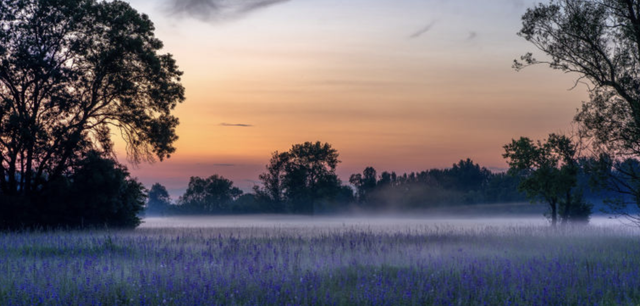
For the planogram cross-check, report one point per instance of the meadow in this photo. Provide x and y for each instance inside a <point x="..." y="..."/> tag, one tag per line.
<point x="411" y="261"/>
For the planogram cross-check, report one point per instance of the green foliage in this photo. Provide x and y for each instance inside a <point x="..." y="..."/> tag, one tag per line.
<point x="297" y="180"/>
<point x="365" y="184"/>
<point x="464" y="183"/>
<point x="211" y="195"/>
<point x="598" y="40"/>
<point x="246" y="203"/>
<point x="468" y="176"/>
<point x="502" y="188"/>
<point x="549" y="173"/>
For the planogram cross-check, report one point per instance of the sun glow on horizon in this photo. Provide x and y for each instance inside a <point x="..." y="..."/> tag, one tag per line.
<point x="356" y="76"/>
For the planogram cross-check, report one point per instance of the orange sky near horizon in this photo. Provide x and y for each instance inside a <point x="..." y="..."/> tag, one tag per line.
<point x="352" y="75"/>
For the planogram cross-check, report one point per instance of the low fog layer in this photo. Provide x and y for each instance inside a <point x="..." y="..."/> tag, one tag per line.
<point x="373" y="222"/>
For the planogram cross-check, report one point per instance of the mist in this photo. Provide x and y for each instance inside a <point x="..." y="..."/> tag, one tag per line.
<point x="381" y="223"/>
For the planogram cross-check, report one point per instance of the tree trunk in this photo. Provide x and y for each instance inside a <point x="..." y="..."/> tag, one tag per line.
<point x="13" y="183"/>
<point x="29" y="171"/>
<point x="567" y="209"/>
<point x="554" y="213"/>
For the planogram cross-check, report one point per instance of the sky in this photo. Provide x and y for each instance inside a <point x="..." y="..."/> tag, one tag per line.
<point x="397" y="85"/>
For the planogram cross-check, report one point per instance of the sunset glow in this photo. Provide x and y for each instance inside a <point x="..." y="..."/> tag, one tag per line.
<point x="398" y="86"/>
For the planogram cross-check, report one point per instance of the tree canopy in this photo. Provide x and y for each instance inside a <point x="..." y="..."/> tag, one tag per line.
<point x="301" y="178"/>
<point x="211" y="195"/>
<point x="71" y="73"/>
<point x="463" y="183"/>
<point x="99" y="193"/>
<point x="599" y="40"/>
<point x="158" y="200"/>
<point x="549" y="172"/>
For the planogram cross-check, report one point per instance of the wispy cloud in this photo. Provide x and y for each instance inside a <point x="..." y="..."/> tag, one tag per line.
<point x="216" y="10"/>
<point x="472" y="35"/>
<point x="423" y="30"/>
<point x="236" y="124"/>
<point x="224" y="165"/>
<point x="518" y="4"/>
<point x="215" y="165"/>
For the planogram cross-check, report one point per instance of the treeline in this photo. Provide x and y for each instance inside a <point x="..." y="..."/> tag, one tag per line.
<point x="463" y="183"/>
<point x="96" y="192"/>
<point x="303" y="180"/>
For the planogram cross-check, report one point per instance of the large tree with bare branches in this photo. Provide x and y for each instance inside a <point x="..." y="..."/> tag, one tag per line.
<point x="72" y="74"/>
<point x="599" y="40"/>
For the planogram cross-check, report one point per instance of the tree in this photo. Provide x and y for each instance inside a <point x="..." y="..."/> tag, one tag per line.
<point x="468" y="176"/>
<point x="159" y="200"/>
<point x="246" y="204"/>
<point x="297" y="180"/>
<point x="619" y="178"/>
<point x="271" y="193"/>
<point x="549" y="173"/>
<point x="599" y="40"/>
<point x="365" y="183"/>
<point x="71" y="71"/>
<point x="502" y="188"/>
<point x="103" y="194"/>
<point x="98" y="193"/>
<point x="211" y="195"/>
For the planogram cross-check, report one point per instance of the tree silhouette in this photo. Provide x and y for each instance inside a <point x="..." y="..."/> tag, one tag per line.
<point x="99" y="192"/>
<point x="365" y="183"/>
<point x="600" y="41"/>
<point x="468" y="176"/>
<point x="271" y="193"/>
<point x="71" y="71"/>
<point x="298" y="180"/>
<point x="549" y="173"/>
<point x="211" y="195"/>
<point x="158" y="200"/>
<point x="464" y="183"/>
<point x="247" y="203"/>
<point x="103" y="194"/>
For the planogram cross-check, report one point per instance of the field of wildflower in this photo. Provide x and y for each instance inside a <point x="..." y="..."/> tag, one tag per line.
<point x="356" y="264"/>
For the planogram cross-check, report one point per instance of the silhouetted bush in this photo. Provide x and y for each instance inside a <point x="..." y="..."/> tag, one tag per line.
<point x="98" y="193"/>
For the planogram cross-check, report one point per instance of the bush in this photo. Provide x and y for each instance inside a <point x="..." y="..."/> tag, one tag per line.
<point x="98" y="193"/>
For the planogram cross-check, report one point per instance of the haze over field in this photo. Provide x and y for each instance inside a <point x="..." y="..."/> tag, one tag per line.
<point x="376" y="223"/>
<point x="361" y="152"/>
<point x="400" y="86"/>
<point x="352" y="264"/>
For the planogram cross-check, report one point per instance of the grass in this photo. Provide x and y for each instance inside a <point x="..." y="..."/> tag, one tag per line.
<point x="306" y="265"/>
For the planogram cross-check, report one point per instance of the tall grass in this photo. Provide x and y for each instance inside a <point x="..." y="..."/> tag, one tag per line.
<point x="351" y="265"/>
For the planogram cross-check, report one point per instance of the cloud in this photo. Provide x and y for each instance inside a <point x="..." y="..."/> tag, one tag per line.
<point x="423" y="30"/>
<point x="236" y="124"/>
<point x="472" y="35"/>
<point x="216" y="10"/>
<point x="518" y="4"/>
<point x="216" y="165"/>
